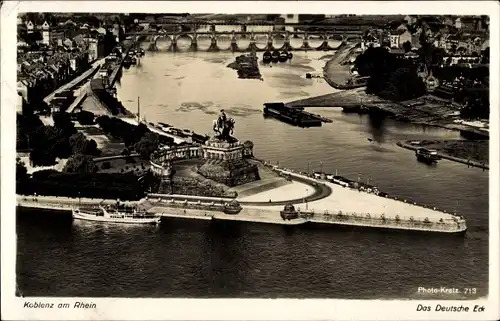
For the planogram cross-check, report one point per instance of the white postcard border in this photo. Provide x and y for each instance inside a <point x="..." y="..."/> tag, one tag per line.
<point x="232" y="309"/>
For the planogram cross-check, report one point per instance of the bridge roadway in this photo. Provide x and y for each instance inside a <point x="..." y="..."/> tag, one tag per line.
<point x="273" y="40"/>
<point x="244" y="33"/>
<point x="255" y="23"/>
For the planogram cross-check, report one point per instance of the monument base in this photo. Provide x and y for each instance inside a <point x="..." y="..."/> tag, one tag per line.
<point x="230" y="172"/>
<point x="225" y="163"/>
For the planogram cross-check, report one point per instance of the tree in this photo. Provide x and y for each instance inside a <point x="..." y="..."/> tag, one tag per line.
<point x="85" y="117"/>
<point x="21" y="176"/>
<point x="147" y="145"/>
<point x="41" y="157"/>
<point x="485" y="57"/>
<point x="63" y="121"/>
<point x="79" y="144"/>
<point x="80" y="163"/>
<point x="407" y="46"/>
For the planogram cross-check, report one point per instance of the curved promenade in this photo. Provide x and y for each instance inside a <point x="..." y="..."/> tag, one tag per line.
<point x="320" y="191"/>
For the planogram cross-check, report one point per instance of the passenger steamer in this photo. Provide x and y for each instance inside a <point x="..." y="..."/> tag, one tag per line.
<point x="122" y="215"/>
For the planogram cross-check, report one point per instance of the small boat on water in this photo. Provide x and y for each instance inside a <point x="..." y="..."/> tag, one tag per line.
<point x="283" y="56"/>
<point x="275" y="56"/>
<point x="117" y="214"/>
<point x="267" y="57"/>
<point x="429" y="156"/>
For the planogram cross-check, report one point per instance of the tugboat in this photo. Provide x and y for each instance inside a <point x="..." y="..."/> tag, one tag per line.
<point x="283" y="56"/>
<point x="117" y="214"/>
<point x="428" y="156"/>
<point x="266" y="58"/>
<point x="275" y="56"/>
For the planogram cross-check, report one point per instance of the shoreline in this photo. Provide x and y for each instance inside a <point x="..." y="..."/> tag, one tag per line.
<point x="472" y="163"/>
<point x="402" y="215"/>
<point x="354" y="97"/>
<point x="253" y="214"/>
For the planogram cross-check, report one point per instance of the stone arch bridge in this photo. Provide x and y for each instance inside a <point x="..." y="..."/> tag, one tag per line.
<point x="246" y="41"/>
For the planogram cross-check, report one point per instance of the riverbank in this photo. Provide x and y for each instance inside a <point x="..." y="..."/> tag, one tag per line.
<point x="471" y="153"/>
<point x="444" y="223"/>
<point x="427" y="110"/>
<point x="337" y="71"/>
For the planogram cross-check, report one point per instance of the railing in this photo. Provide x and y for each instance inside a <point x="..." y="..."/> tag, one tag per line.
<point x="366" y="219"/>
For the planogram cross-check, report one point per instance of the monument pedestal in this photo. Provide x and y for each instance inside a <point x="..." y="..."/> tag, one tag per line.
<point x="225" y="162"/>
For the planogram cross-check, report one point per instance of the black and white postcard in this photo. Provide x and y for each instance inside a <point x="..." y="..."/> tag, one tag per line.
<point x="182" y="160"/>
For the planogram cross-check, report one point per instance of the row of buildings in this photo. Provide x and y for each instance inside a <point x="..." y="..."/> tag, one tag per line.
<point x="51" y="54"/>
<point x="464" y="35"/>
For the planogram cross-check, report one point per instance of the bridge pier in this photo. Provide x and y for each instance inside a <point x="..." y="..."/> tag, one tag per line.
<point x="269" y="46"/>
<point x="252" y="46"/>
<point x="152" y="45"/>
<point x="173" y="46"/>
<point x="305" y="43"/>
<point x="234" y="43"/>
<point x="324" y="45"/>
<point x="213" y="44"/>
<point x="287" y="46"/>
<point x="194" y="43"/>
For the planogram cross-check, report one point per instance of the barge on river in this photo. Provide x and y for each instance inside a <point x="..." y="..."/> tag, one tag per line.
<point x="292" y="116"/>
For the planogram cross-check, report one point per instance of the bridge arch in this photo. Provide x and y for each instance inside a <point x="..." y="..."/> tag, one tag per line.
<point x="315" y="41"/>
<point x="279" y="40"/>
<point x="243" y="43"/>
<point x="163" y="42"/>
<point x="334" y="40"/>
<point x="296" y="40"/>
<point x="261" y="41"/>
<point x="224" y="41"/>
<point x="183" y="42"/>
<point x="203" y="42"/>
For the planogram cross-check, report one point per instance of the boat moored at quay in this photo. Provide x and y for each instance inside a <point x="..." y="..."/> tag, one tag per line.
<point x="403" y="216"/>
<point x="115" y="214"/>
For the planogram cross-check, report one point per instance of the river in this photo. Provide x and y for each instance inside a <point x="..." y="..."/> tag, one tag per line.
<point x="199" y="259"/>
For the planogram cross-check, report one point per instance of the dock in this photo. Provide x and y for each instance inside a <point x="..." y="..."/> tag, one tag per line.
<point x="382" y="217"/>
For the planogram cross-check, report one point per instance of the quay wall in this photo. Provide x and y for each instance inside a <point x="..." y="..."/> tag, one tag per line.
<point x="445" y="156"/>
<point x="258" y="215"/>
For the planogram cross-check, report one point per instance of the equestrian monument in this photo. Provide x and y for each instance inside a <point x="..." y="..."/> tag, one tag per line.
<point x="224" y="156"/>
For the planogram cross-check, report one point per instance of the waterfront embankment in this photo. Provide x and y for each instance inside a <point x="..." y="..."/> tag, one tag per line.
<point x="337" y="205"/>
<point x="337" y="71"/>
<point x="159" y="206"/>
<point x="459" y="151"/>
<point x="427" y="110"/>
